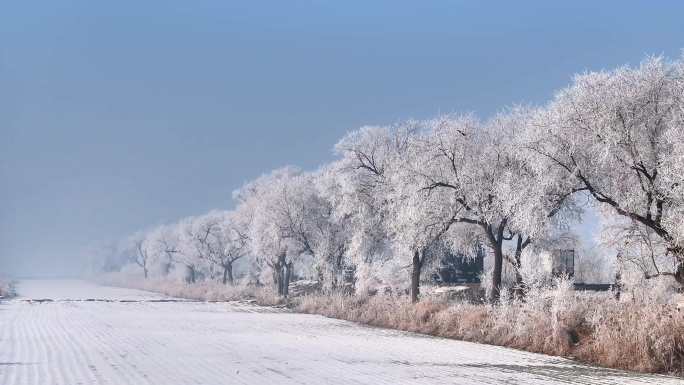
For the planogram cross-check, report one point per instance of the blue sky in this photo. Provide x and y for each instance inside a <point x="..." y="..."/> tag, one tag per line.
<point x="116" y="116"/>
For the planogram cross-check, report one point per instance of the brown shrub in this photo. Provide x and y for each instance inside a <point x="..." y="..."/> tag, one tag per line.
<point x="633" y="336"/>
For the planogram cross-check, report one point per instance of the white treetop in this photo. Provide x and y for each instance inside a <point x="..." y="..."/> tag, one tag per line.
<point x="617" y="135"/>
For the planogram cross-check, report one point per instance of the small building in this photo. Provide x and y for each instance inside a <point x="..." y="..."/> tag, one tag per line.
<point x="563" y="262"/>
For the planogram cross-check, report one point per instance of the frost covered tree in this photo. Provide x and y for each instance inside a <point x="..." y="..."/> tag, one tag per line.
<point x="328" y="232"/>
<point x="420" y="219"/>
<point x="415" y="219"/>
<point x="160" y="247"/>
<point x="491" y="193"/>
<point x="617" y="135"/>
<point x="637" y="246"/>
<point x="539" y="210"/>
<point x="220" y="241"/>
<point x="270" y="234"/>
<point x="453" y="158"/>
<point x="143" y="253"/>
<point x="231" y="244"/>
<point x="180" y="243"/>
<point x="357" y="193"/>
<point x="292" y="219"/>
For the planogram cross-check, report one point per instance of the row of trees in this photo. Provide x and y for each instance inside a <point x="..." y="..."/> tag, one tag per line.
<point x="405" y="194"/>
<point x="206" y="246"/>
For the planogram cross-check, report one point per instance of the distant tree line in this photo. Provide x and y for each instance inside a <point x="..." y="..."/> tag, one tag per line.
<point x="397" y="197"/>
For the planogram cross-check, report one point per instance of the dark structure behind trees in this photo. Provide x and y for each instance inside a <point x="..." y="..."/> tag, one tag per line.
<point x="563" y="262"/>
<point x="456" y="268"/>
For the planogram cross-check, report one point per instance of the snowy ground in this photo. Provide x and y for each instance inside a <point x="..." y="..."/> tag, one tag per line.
<point x="78" y="290"/>
<point x="74" y="340"/>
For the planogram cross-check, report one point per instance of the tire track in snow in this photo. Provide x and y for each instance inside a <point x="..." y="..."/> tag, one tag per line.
<point x="43" y="334"/>
<point x="80" y="363"/>
<point x="31" y="351"/>
<point x="98" y="336"/>
<point x="15" y="356"/>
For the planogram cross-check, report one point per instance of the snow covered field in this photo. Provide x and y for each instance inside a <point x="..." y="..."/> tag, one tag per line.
<point x="139" y="340"/>
<point x="78" y="290"/>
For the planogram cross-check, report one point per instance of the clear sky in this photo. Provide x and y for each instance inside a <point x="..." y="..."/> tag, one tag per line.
<point x="116" y="116"/>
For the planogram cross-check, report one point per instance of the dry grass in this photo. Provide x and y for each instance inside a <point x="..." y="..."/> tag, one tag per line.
<point x="594" y="329"/>
<point x="636" y="337"/>
<point x="201" y="291"/>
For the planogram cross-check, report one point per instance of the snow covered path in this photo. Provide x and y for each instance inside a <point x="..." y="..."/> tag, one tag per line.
<point x="167" y="343"/>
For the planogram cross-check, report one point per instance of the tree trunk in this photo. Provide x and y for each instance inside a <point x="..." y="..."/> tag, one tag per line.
<point x="415" y="277"/>
<point x="278" y="278"/>
<point x="167" y="265"/>
<point x="145" y="271"/>
<point x="519" y="290"/>
<point x="679" y="273"/>
<point x="191" y="274"/>
<point x="279" y="274"/>
<point x="617" y="287"/>
<point x="496" y="274"/>
<point x="332" y="279"/>
<point x="286" y="281"/>
<point x="337" y="274"/>
<point x="228" y="274"/>
<point x="496" y="243"/>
